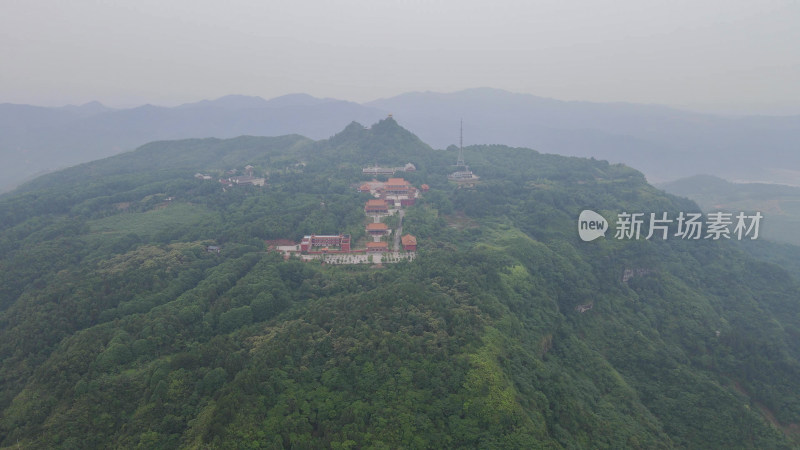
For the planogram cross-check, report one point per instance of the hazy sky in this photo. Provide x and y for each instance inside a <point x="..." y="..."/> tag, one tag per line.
<point x="729" y="55"/>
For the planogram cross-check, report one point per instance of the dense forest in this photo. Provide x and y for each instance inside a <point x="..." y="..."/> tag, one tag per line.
<point x="118" y="329"/>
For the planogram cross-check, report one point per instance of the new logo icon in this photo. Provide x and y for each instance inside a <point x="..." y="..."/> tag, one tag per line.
<point x="591" y="225"/>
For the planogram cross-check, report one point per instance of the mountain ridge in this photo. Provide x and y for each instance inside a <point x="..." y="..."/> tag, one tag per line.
<point x="658" y="140"/>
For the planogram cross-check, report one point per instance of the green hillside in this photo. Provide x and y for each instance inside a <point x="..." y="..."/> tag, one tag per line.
<point x="118" y="329"/>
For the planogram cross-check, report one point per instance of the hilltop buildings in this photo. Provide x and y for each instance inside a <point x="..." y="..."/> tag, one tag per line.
<point x="232" y="179"/>
<point x="377" y="229"/>
<point x="377" y="247"/>
<point x="376" y="206"/>
<point x="409" y="243"/>
<point x="376" y="170"/>
<point x="396" y="186"/>
<point x="323" y="243"/>
<point x="397" y="192"/>
<point x="246" y="179"/>
<point x="394" y="193"/>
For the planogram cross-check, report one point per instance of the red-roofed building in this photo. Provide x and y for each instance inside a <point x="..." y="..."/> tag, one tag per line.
<point x="376" y="206"/>
<point x="409" y="243"/>
<point x="364" y="188"/>
<point x="425" y="187"/>
<point x="397" y="186"/>
<point x="377" y="247"/>
<point x="377" y="228"/>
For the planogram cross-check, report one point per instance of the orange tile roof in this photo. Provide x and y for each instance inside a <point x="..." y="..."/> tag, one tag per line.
<point x="396" y="181"/>
<point x="376" y="202"/>
<point x="377" y="226"/>
<point x="377" y="245"/>
<point x="409" y="240"/>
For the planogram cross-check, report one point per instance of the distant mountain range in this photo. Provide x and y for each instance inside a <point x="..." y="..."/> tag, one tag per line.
<point x="662" y="142"/>
<point x="35" y="140"/>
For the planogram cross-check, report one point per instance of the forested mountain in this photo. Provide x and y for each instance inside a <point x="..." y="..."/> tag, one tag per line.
<point x="119" y="329"/>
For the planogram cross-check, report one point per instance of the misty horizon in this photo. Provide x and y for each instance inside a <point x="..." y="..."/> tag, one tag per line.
<point x="722" y="57"/>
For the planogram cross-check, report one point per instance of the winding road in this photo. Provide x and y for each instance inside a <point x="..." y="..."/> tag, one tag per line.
<point x="399" y="231"/>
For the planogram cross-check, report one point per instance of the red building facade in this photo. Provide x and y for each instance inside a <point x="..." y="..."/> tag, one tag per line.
<point x="377" y="247"/>
<point x="376" y="206"/>
<point x="409" y="243"/>
<point x="377" y="228"/>
<point x="397" y="186"/>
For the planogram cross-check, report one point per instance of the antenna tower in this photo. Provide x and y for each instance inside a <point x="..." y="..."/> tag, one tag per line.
<point x="460" y="161"/>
